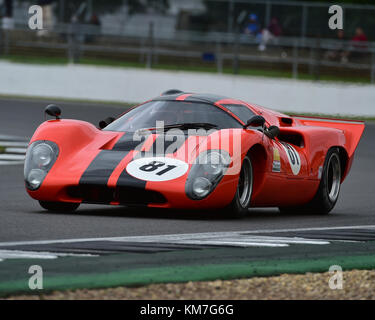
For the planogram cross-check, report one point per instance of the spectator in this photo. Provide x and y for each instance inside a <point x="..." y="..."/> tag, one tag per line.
<point x="358" y="45"/>
<point x="94" y="27"/>
<point x="270" y="33"/>
<point x="338" y="51"/>
<point x="275" y="28"/>
<point x="8" y="15"/>
<point x="48" y="18"/>
<point x="359" y="38"/>
<point x="94" y="20"/>
<point x="252" y="26"/>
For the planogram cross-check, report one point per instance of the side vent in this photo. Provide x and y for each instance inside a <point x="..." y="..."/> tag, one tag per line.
<point x="286" y="121"/>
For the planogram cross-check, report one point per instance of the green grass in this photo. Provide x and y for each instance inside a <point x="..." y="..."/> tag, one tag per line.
<point x="2" y="149"/>
<point x="35" y="60"/>
<point x="183" y="67"/>
<point x="47" y="100"/>
<point x="337" y="116"/>
<point x="184" y="273"/>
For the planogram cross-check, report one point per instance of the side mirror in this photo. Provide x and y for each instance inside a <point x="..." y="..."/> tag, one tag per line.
<point x="272" y="132"/>
<point x="255" y="121"/>
<point x="53" y="111"/>
<point x="106" y="122"/>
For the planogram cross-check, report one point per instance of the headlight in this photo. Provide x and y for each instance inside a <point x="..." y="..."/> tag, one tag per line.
<point x="206" y="172"/>
<point x="40" y="157"/>
<point x="42" y="154"/>
<point x="35" y="178"/>
<point x="201" y="187"/>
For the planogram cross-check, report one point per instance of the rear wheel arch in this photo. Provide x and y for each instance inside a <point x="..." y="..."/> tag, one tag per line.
<point x="258" y="156"/>
<point x="344" y="161"/>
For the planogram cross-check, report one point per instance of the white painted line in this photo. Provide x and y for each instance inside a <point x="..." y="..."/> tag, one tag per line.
<point x="310" y="229"/>
<point x="18" y="254"/>
<point x="5" y="156"/>
<point x="15" y="150"/>
<point x="8" y="254"/>
<point x="5" y="163"/>
<point x="241" y="238"/>
<point x="13" y="138"/>
<point x="232" y="243"/>
<point x="195" y="236"/>
<point x="13" y="144"/>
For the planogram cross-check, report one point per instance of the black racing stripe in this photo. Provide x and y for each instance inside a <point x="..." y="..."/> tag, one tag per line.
<point x="126" y="180"/>
<point x="101" y="168"/>
<point x="163" y="146"/>
<point x="127" y="142"/>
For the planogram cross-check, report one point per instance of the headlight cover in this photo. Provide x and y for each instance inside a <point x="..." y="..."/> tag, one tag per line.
<point x="207" y="171"/>
<point x="40" y="157"/>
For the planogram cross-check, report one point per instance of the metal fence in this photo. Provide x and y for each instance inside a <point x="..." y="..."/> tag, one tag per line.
<point x="223" y="48"/>
<point x="297" y="18"/>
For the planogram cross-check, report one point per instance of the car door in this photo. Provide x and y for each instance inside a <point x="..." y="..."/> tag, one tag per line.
<point x="293" y="162"/>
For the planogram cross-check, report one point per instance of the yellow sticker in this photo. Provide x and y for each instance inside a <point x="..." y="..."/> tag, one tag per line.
<point x="276" y="154"/>
<point x="276" y="164"/>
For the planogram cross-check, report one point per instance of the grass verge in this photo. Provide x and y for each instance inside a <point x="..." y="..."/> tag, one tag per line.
<point x="210" y="68"/>
<point x="185" y="273"/>
<point x="99" y="103"/>
<point x="357" y="284"/>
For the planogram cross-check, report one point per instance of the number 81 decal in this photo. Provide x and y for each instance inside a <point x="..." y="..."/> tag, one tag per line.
<point x="157" y="168"/>
<point x="293" y="157"/>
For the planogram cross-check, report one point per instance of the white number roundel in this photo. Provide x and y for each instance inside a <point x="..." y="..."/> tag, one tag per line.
<point x="293" y="157"/>
<point x="157" y="168"/>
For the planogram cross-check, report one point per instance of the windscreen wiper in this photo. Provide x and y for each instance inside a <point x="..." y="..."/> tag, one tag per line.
<point x="185" y="126"/>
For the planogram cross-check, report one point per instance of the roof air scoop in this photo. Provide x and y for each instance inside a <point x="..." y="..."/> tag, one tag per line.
<point x="171" y="91"/>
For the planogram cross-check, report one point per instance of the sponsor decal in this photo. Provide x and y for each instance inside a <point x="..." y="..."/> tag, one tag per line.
<point x="276" y="164"/>
<point x="293" y="158"/>
<point x="157" y="168"/>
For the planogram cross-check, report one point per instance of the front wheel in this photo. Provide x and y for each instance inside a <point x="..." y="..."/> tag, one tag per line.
<point x="239" y="206"/>
<point x="329" y="187"/>
<point x="59" y="206"/>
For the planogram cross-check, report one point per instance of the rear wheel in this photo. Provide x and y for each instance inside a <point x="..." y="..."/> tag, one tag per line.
<point x="239" y="206"/>
<point x="59" y="206"/>
<point x="329" y="187"/>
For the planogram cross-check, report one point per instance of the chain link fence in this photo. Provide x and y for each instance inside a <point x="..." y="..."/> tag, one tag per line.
<point x="198" y="35"/>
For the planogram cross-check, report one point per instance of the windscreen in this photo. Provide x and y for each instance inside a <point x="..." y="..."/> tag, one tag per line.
<point x="241" y="111"/>
<point x="172" y="112"/>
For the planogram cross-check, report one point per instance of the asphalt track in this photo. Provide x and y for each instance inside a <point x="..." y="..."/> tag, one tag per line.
<point x="21" y="218"/>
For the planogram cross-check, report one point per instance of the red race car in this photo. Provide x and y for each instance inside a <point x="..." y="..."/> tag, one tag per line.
<point x="192" y="151"/>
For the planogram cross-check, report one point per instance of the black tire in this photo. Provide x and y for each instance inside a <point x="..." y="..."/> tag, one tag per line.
<point x="239" y="206"/>
<point x="59" y="206"/>
<point x="329" y="187"/>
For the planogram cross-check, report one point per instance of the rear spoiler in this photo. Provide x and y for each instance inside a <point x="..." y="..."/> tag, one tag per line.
<point x="353" y="129"/>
